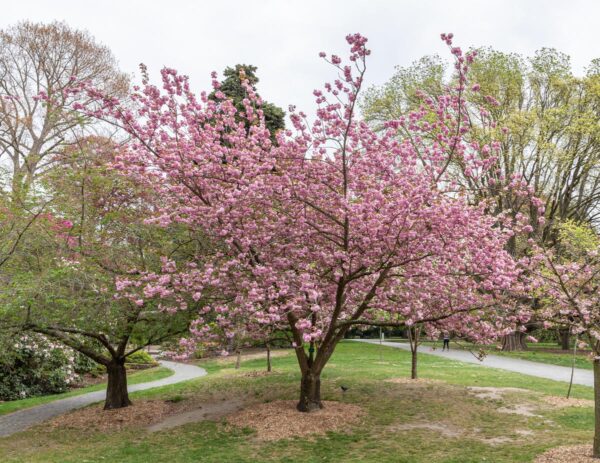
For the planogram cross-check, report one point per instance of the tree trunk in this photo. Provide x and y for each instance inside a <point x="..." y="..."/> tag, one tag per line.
<point x="116" y="391"/>
<point x="572" y="367"/>
<point x="596" y="408"/>
<point x="413" y="338"/>
<point x="268" y="358"/>
<point x="310" y="392"/>
<point x="238" y="359"/>
<point x="514" y="341"/>
<point x="565" y="338"/>
<point x="413" y="367"/>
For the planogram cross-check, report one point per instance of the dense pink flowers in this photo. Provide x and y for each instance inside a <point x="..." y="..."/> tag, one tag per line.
<point x="334" y="226"/>
<point x="564" y="288"/>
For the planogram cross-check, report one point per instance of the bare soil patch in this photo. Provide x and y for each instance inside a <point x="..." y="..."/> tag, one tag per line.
<point x="449" y="430"/>
<point x="492" y="393"/>
<point x="567" y="454"/>
<point x="496" y="440"/>
<point x="497" y="393"/>
<point x="561" y="402"/>
<point x="94" y="418"/>
<point x="519" y="409"/>
<point x="207" y="411"/>
<point x="280" y="419"/>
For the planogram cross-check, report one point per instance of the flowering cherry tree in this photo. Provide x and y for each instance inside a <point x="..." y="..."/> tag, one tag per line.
<point x="565" y="288"/>
<point x="331" y="227"/>
<point x="456" y="306"/>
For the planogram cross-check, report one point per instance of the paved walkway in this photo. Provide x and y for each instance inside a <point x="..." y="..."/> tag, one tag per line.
<point x="23" y="419"/>
<point x="541" y="370"/>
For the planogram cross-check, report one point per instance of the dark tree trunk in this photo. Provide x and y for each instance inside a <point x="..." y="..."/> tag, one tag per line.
<point x="310" y="392"/>
<point x="572" y="368"/>
<point x="268" y="358"/>
<point x="116" y="391"/>
<point x="514" y="341"/>
<point x="413" y="338"/>
<point x="565" y="338"/>
<point x="596" y="408"/>
<point x="413" y="367"/>
<point x="238" y="359"/>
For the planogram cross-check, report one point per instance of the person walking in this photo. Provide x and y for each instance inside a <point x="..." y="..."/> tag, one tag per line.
<point x="446" y="341"/>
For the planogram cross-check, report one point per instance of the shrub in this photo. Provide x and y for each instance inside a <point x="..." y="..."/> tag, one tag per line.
<point x="200" y="352"/>
<point x="34" y="365"/>
<point x="141" y="357"/>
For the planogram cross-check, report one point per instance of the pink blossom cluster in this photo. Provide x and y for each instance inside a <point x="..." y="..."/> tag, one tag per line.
<point x="564" y="289"/>
<point x="333" y="226"/>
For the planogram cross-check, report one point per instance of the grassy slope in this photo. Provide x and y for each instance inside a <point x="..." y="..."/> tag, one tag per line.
<point x="144" y="376"/>
<point x="363" y="368"/>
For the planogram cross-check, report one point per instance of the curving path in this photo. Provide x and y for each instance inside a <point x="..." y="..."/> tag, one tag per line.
<point x="525" y="367"/>
<point x="23" y="419"/>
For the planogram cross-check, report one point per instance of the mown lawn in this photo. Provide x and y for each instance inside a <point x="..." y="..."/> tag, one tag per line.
<point x="565" y="360"/>
<point x="480" y="432"/>
<point x="143" y="376"/>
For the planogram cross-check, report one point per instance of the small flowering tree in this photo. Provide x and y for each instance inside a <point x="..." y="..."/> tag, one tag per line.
<point x="320" y="231"/>
<point x="457" y="306"/>
<point x="565" y="286"/>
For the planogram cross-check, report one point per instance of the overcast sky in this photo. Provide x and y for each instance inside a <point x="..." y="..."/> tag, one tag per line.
<point x="283" y="38"/>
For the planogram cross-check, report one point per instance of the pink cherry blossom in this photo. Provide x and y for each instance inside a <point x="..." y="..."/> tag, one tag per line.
<point x="332" y="227"/>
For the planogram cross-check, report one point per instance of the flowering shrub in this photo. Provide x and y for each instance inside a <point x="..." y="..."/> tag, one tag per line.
<point x="34" y="365"/>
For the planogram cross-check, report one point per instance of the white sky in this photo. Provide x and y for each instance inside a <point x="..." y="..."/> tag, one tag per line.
<point x="283" y="37"/>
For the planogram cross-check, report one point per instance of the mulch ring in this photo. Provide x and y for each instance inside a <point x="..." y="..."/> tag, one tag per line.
<point x="94" y="418"/>
<point x="567" y="454"/>
<point x="280" y="419"/>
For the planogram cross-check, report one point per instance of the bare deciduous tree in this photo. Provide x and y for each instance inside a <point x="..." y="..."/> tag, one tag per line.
<point x="39" y="60"/>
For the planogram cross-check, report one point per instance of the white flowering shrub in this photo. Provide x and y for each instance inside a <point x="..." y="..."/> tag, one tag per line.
<point x="35" y="365"/>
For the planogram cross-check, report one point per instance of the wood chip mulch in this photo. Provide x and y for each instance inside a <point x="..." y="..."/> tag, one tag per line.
<point x="561" y="402"/>
<point x="567" y="454"/>
<point x="280" y="419"/>
<point x="94" y="418"/>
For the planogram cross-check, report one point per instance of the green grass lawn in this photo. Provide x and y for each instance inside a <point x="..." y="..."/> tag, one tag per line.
<point x="143" y="376"/>
<point x="565" y="360"/>
<point x="482" y="432"/>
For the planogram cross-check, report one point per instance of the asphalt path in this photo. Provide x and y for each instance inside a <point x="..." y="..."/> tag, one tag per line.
<point x="525" y="367"/>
